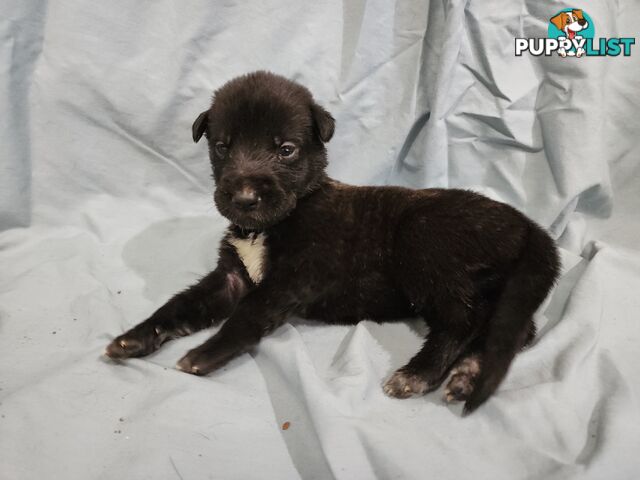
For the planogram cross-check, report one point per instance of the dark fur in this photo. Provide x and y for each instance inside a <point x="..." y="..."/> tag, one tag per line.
<point x="475" y="269"/>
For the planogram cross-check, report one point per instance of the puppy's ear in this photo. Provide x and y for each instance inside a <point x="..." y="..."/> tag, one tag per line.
<point x="323" y="122"/>
<point x="200" y="125"/>
<point x="558" y="20"/>
<point x="578" y="13"/>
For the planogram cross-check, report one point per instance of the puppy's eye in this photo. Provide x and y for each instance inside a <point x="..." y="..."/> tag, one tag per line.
<point x="287" y="149"/>
<point x="221" y="149"/>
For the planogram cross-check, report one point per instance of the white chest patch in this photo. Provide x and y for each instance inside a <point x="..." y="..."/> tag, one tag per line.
<point x="252" y="252"/>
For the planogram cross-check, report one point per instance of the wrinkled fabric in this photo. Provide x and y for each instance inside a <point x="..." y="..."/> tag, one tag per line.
<point x="106" y="211"/>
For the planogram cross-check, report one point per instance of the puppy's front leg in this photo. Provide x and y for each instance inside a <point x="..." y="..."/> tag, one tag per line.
<point x="258" y="314"/>
<point x="212" y="299"/>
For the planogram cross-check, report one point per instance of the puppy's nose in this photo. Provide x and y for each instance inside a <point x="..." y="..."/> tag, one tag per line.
<point x="246" y="199"/>
<point x="581" y="22"/>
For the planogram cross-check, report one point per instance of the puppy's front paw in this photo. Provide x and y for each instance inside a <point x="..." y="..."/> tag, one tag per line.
<point x="137" y="342"/>
<point x="403" y="384"/>
<point x="197" y="362"/>
<point x="188" y="364"/>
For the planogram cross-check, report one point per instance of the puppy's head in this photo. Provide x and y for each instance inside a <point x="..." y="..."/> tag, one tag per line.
<point x="266" y="144"/>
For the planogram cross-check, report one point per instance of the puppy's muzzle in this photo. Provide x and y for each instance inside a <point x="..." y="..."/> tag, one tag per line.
<point x="246" y="199"/>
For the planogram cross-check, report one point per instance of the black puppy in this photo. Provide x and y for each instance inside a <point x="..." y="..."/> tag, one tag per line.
<point x="303" y="244"/>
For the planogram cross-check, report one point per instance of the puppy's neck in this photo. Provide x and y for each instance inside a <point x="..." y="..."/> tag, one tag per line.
<point x="244" y="233"/>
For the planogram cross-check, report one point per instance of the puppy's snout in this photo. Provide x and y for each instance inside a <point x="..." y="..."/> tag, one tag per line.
<point x="246" y="199"/>
<point x="582" y="22"/>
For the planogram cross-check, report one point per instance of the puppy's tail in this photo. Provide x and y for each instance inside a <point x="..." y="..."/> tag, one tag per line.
<point x="511" y="326"/>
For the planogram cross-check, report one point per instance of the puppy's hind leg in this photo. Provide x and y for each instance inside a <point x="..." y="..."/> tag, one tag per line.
<point x="464" y="375"/>
<point x="426" y="371"/>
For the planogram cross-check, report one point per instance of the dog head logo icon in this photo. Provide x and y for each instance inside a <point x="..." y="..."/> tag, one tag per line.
<point x="571" y="27"/>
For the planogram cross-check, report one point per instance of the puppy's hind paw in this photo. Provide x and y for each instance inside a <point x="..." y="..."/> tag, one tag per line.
<point x="458" y="389"/>
<point x="462" y="381"/>
<point x="404" y="384"/>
